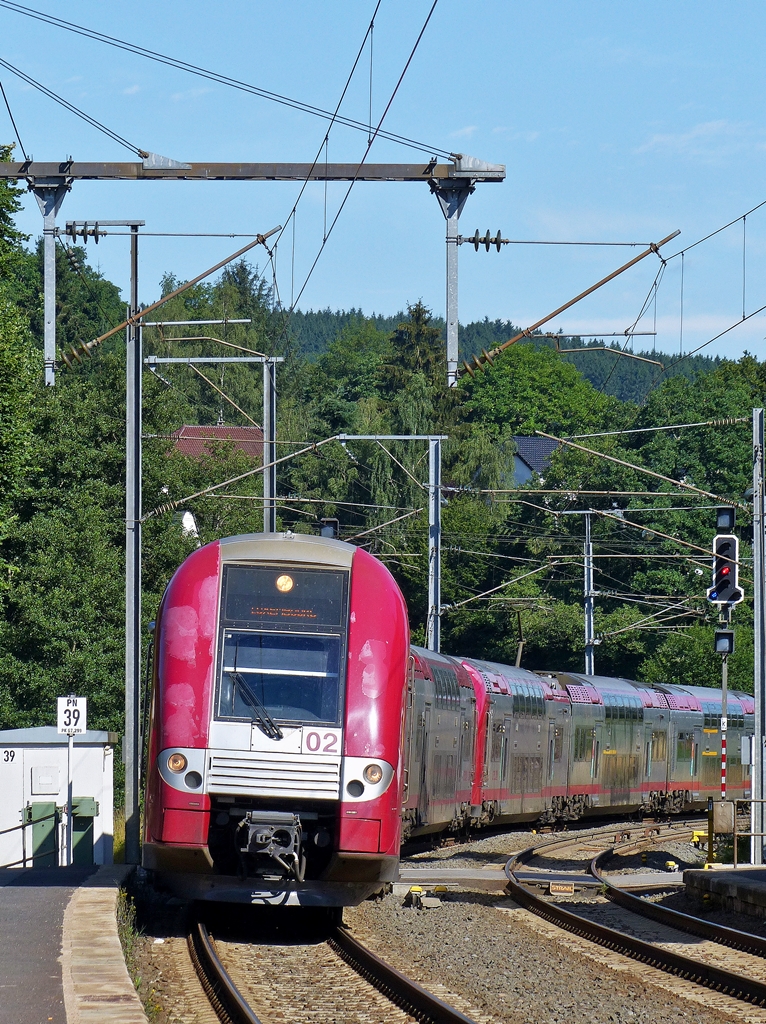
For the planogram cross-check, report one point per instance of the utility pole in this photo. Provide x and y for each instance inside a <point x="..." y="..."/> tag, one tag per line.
<point x="452" y="198"/>
<point x="433" y="615"/>
<point x="758" y="767"/>
<point x="50" y="196"/>
<point x="433" y="620"/>
<point x="589" y="600"/>
<point x="269" y="445"/>
<point x="269" y="413"/>
<point x="133" y="367"/>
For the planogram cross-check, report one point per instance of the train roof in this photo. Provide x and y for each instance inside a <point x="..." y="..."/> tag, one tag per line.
<point x="293" y="547"/>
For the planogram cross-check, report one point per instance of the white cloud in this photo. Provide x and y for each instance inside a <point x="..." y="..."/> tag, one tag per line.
<point x="516" y="136"/>
<point x="189" y="94"/>
<point x="708" y="140"/>
<point x="466" y="132"/>
<point x="131" y="90"/>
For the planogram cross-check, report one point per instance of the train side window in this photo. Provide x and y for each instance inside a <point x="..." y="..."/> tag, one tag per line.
<point x="684" y="747"/>
<point x="558" y="744"/>
<point x="659" y="746"/>
<point x="583" y="743"/>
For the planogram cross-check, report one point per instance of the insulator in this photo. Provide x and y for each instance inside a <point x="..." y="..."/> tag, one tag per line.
<point x="487" y="240"/>
<point x="468" y="369"/>
<point x="488" y="357"/>
<point x="498" y="241"/>
<point x="476" y="240"/>
<point x="75" y="354"/>
<point x="477" y="362"/>
<point x="95" y="233"/>
<point x="65" y="359"/>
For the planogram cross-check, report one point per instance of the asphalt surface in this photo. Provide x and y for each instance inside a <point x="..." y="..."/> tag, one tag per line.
<point x="32" y="905"/>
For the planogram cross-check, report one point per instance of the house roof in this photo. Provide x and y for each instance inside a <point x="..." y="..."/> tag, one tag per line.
<point x="196" y="441"/>
<point x="535" y="452"/>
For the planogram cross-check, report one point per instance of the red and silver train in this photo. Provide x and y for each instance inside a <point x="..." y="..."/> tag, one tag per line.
<point x="296" y="739"/>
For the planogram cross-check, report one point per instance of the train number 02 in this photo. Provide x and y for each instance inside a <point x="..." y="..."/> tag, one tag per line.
<point x="320" y="741"/>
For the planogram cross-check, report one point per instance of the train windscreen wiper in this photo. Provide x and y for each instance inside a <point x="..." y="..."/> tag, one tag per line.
<point x="263" y="719"/>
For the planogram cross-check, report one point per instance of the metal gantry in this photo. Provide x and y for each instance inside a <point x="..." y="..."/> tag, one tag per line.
<point x="759" y="627"/>
<point x="589" y="595"/>
<point x="451" y="182"/>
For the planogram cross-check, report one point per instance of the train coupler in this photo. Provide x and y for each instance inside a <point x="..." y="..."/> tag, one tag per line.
<point x="274" y="834"/>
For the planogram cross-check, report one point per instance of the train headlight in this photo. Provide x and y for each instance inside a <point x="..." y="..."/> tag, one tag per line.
<point x="177" y="762"/>
<point x="373" y="773"/>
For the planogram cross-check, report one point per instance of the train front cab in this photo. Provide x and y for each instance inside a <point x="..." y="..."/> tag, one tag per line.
<point x="275" y="748"/>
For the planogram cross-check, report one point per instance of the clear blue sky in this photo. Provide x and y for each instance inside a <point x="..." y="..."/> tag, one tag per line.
<point x="617" y="122"/>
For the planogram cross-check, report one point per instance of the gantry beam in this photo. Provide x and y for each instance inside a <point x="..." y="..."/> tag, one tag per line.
<point x="161" y="168"/>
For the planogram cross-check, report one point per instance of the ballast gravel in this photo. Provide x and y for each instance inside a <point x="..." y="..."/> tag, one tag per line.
<point x="505" y="971"/>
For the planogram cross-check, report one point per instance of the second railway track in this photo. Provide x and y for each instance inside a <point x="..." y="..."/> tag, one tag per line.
<point x="649" y="932"/>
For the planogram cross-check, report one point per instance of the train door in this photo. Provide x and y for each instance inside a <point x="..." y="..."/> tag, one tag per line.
<point x="424" y="801"/>
<point x="598" y="742"/>
<point x="409" y="726"/>
<point x="695" y="767"/>
<point x="557" y="764"/>
<point x="488" y="734"/>
<point x="508" y="797"/>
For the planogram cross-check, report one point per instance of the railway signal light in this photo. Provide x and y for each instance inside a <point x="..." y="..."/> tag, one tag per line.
<point x="725" y="589"/>
<point x="724" y="641"/>
<point x="725" y="518"/>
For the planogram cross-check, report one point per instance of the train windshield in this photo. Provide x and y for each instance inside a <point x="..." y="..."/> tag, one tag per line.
<point x="293" y="677"/>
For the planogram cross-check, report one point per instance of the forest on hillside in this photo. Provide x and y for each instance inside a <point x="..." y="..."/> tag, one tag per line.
<point x="512" y="557"/>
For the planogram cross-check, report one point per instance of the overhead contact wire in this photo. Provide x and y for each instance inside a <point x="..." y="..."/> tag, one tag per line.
<point x="214" y="76"/>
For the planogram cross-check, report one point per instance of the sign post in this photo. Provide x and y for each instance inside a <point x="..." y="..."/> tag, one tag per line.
<point x="72" y="720"/>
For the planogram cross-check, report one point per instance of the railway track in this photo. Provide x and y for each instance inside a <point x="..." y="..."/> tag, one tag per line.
<point x="339" y="979"/>
<point x="715" y="966"/>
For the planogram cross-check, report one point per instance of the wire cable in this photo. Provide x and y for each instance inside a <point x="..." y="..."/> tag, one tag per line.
<point x="73" y="109"/>
<point x="215" y="76"/>
<point x="375" y="134"/>
<point x="13" y="122"/>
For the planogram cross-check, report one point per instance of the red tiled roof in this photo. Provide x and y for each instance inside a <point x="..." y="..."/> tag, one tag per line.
<point x="197" y="441"/>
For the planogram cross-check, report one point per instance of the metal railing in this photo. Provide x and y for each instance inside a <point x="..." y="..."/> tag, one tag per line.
<point x="23" y="826"/>
<point x="735" y="832"/>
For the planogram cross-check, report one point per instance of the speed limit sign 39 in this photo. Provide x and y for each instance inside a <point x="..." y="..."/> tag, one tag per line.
<point x="71" y="715"/>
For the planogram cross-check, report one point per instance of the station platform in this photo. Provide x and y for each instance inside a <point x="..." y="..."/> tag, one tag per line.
<point x="741" y="890"/>
<point x="60" y="956"/>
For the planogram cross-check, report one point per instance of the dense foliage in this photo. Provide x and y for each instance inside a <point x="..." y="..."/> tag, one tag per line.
<point x="512" y="557"/>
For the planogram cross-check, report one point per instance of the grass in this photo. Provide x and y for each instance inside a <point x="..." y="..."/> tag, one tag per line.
<point x="119" y="835"/>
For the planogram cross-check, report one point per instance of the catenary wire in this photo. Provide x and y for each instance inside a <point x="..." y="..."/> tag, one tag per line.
<point x="13" y="121"/>
<point x="375" y="134"/>
<point x="73" y="109"/>
<point x="214" y="76"/>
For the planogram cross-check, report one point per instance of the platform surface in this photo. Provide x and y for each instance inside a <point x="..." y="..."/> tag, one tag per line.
<point x="32" y="906"/>
<point x="61" y="960"/>
<point x="744" y="885"/>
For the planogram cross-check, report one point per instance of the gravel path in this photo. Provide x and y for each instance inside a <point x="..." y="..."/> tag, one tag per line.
<point x="506" y="971"/>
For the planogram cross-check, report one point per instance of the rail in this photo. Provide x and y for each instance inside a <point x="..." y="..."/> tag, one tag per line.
<point x="232" y="1008"/>
<point x="696" y="926"/>
<point x="224" y="996"/>
<point x="728" y="982"/>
